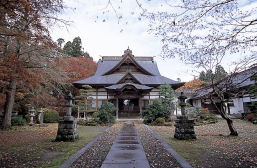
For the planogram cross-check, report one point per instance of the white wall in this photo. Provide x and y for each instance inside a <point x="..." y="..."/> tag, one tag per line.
<point x="238" y="107"/>
<point x="197" y="103"/>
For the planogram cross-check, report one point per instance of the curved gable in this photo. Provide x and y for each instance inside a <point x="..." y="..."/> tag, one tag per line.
<point x="127" y="62"/>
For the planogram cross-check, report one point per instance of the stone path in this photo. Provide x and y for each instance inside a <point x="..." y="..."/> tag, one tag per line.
<point x="127" y="145"/>
<point x="126" y="151"/>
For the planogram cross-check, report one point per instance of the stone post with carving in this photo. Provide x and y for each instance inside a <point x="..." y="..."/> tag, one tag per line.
<point x="67" y="128"/>
<point x="31" y="115"/>
<point x="184" y="127"/>
<point x="40" y="116"/>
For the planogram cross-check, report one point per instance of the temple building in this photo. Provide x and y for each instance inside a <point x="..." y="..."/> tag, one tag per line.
<point x="128" y="81"/>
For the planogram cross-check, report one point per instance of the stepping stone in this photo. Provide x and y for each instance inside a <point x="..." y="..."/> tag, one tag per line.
<point x="127" y="150"/>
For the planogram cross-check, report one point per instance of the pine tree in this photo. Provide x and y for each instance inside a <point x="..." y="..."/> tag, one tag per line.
<point x="84" y="99"/>
<point x="67" y="49"/>
<point x="76" y="47"/>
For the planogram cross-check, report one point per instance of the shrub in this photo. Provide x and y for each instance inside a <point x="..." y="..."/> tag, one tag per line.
<point x="17" y="120"/>
<point x="81" y="122"/>
<point x="91" y="123"/>
<point x="87" y="123"/>
<point x="106" y="113"/>
<point x="153" y="111"/>
<point x="254" y="120"/>
<point x="253" y="107"/>
<point x="95" y="115"/>
<point x="50" y="115"/>
<point x="201" y="114"/>
<point x="159" y="121"/>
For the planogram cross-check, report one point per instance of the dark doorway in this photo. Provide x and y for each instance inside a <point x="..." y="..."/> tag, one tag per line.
<point x="129" y="108"/>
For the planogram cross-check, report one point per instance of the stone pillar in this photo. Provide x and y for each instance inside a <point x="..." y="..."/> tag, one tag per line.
<point x="117" y="108"/>
<point x="40" y="116"/>
<point x="184" y="127"/>
<point x="67" y="128"/>
<point x="31" y="115"/>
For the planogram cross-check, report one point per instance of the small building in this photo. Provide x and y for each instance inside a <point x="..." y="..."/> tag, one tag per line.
<point x="129" y="82"/>
<point x="236" y="90"/>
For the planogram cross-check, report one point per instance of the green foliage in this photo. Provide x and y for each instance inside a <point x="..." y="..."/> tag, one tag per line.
<point x="95" y="115"/>
<point x="154" y="111"/>
<point x="87" y="123"/>
<point x="159" y="121"/>
<point x="74" y="48"/>
<point x="60" y="41"/>
<point x="67" y="49"/>
<point x="253" y="107"/>
<point x="106" y="113"/>
<point x="193" y="111"/>
<point x="219" y="74"/>
<point x="84" y="98"/>
<point x="160" y="107"/>
<point x="200" y="114"/>
<point x="50" y="116"/>
<point x="167" y="97"/>
<point x="74" y="110"/>
<point x="17" y="120"/>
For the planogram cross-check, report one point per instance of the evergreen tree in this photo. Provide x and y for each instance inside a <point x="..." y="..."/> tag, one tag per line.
<point x="84" y="99"/>
<point x="67" y="49"/>
<point x="74" y="48"/>
<point x="209" y="76"/>
<point x="60" y="41"/>
<point x="167" y="96"/>
<point x="202" y="76"/>
<point x="77" y="47"/>
<point x="220" y="73"/>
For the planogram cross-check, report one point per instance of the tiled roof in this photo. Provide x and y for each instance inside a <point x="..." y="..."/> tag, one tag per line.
<point x="237" y="81"/>
<point x="107" y="63"/>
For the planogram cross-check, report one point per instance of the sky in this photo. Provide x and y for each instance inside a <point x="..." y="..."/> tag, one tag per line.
<point x="103" y="34"/>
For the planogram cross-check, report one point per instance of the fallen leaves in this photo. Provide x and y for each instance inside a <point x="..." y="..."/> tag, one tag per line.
<point x="218" y="149"/>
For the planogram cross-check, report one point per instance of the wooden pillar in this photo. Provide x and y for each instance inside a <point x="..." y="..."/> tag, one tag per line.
<point x="107" y="96"/>
<point x="96" y="103"/>
<point x="78" y="111"/>
<point x="117" y="108"/>
<point x="149" y="98"/>
<point x="140" y="106"/>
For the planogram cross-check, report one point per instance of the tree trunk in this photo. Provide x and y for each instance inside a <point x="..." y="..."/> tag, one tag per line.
<point x="225" y="116"/>
<point x="231" y="127"/>
<point x="9" y="105"/>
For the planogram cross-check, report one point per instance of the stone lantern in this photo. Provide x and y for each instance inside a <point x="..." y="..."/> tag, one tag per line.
<point x="184" y="127"/>
<point x="67" y="128"/>
<point x="31" y="115"/>
<point x="182" y="103"/>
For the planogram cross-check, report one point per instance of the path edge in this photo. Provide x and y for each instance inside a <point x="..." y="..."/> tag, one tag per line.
<point x="183" y="163"/>
<point x="76" y="155"/>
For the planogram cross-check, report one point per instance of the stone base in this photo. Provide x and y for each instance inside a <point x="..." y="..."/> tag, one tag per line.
<point x="184" y="128"/>
<point x="67" y="129"/>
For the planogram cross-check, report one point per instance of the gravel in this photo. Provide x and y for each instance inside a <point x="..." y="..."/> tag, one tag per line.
<point x="95" y="155"/>
<point x="156" y="154"/>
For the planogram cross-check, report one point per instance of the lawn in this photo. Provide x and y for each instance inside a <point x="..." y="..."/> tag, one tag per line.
<point x="214" y="147"/>
<point x="34" y="146"/>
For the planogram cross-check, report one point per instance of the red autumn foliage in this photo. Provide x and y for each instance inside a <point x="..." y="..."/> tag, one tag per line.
<point x="193" y="85"/>
<point x="78" y="68"/>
